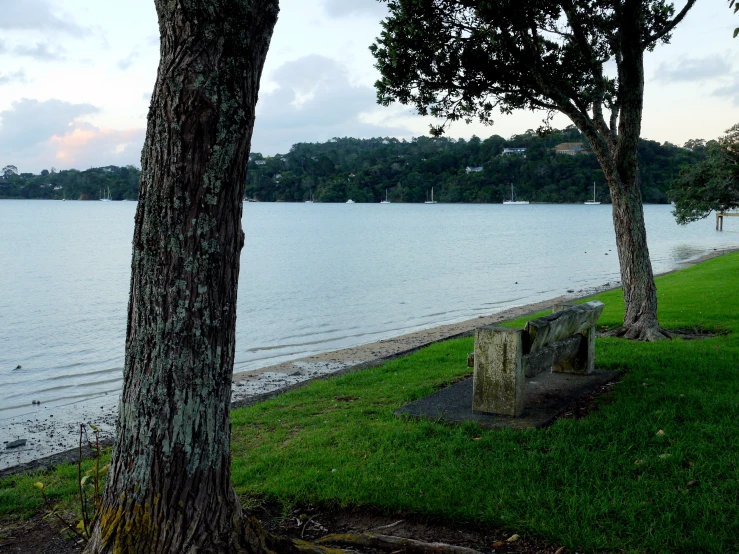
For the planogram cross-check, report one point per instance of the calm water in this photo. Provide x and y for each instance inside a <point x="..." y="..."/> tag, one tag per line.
<point x="315" y="277"/>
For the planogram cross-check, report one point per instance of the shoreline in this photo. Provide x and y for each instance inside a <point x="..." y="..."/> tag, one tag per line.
<point x="54" y="440"/>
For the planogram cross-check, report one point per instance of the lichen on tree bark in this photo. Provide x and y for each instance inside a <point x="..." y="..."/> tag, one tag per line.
<point x="169" y="487"/>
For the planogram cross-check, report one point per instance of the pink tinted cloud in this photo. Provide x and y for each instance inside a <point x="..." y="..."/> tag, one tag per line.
<point x="85" y="145"/>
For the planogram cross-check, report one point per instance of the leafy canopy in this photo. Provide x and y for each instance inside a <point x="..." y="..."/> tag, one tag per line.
<point x="711" y="184"/>
<point x="460" y="59"/>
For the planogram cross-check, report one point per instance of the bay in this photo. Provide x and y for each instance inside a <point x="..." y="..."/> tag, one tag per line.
<point x="314" y="278"/>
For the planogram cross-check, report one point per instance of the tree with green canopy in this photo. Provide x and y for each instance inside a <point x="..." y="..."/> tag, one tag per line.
<point x="462" y="59"/>
<point x="711" y="184"/>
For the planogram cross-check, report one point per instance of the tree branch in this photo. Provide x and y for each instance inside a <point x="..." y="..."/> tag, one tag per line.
<point x="596" y="67"/>
<point x="670" y="25"/>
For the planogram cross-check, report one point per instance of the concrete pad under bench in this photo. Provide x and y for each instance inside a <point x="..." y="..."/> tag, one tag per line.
<point x="547" y="396"/>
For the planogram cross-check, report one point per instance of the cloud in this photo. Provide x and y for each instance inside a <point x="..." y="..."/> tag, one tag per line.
<point x="693" y="69"/>
<point x="730" y="91"/>
<point x="30" y="122"/>
<point x="86" y="145"/>
<point x="42" y="52"/>
<point x="35" y="135"/>
<point x="18" y="77"/>
<point x="29" y="15"/>
<point x="314" y="100"/>
<point x="344" y="8"/>
<point x="127" y="62"/>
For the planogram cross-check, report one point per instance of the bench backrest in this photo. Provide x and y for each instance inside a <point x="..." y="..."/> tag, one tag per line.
<point x="560" y="325"/>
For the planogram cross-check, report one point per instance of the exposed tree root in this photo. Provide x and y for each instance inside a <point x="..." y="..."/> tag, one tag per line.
<point x="255" y="539"/>
<point x="387" y="542"/>
<point x="635" y="332"/>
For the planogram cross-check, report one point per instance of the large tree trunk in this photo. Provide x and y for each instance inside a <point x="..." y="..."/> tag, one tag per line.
<point x="620" y="163"/>
<point x="168" y="488"/>
<point x="637" y="279"/>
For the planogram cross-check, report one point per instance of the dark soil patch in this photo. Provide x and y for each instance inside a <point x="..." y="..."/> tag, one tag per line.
<point x="311" y="523"/>
<point x="44" y="536"/>
<point x="36" y="536"/>
<point x="696" y="333"/>
<point x="591" y="402"/>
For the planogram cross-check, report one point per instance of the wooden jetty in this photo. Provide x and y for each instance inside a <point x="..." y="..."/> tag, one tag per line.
<point x="720" y="219"/>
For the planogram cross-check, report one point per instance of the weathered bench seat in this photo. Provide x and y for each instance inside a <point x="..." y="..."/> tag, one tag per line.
<point x="561" y="342"/>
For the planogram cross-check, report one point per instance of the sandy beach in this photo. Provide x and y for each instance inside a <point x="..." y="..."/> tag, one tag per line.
<point x="52" y="434"/>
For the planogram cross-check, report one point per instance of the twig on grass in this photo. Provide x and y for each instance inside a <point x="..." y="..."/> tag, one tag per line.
<point x="390" y="525"/>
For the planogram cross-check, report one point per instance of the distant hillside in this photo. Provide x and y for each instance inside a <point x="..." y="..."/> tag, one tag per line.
<point x="122" y="182"/>
<point x="363" y="169"/>
<point x="459" y="170"/>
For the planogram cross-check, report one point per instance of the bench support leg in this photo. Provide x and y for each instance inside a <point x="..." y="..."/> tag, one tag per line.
<point x="498" y="382"/>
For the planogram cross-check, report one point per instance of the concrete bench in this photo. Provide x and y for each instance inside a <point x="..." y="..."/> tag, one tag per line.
<point x="561" y="342"/>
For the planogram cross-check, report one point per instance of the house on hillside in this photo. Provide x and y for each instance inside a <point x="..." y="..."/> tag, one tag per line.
<point x="260" y="162"/>
<point x="514" y="151"/>
<point x="470" y="169"/>
<point x="570" y="148"/>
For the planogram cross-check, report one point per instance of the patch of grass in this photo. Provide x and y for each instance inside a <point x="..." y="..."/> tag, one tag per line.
<point x="609" y="482"/>
<point x="606" y="482"/>
<point x="19" y="499"/>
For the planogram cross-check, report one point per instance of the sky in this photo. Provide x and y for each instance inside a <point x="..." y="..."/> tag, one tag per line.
<point x="76" y="77"/>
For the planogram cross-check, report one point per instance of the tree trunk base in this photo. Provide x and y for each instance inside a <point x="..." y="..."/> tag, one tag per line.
<point x="639" y="332"/>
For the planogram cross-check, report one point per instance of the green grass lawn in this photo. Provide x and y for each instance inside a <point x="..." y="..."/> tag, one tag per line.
<point x="607" y="482"/>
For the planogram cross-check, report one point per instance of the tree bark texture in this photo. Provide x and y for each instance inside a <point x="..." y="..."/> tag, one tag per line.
<point x="620" y="163"/>
<point x="168" y="489"/>
<point x="637" y="278"/>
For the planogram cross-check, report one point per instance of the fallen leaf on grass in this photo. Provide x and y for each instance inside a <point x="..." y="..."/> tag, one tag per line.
<point x="560" y="550"/>
<point x="512" y="539"/>
<point x="660" y="433"/>
<point x="499" y="544"/>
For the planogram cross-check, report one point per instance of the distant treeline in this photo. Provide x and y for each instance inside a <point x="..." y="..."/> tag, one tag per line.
<point x="121" y="183"/>
<point x="364" y="170"/>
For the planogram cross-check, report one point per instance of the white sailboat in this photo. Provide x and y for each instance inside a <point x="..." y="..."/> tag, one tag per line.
<point x="310" y="197"/>
<point x="350" y="201"/>
<point x="386" y="201"/>
<point x="513" y="199"/>
<point x="105" y="198"/>
<point x="593" y="201"/>
<point x="432" y="201"/>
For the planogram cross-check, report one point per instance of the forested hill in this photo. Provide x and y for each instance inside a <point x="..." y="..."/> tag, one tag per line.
<point x="459" y="170"/>
<point x="364" y="169"/>
<point x="122" y="183"/>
